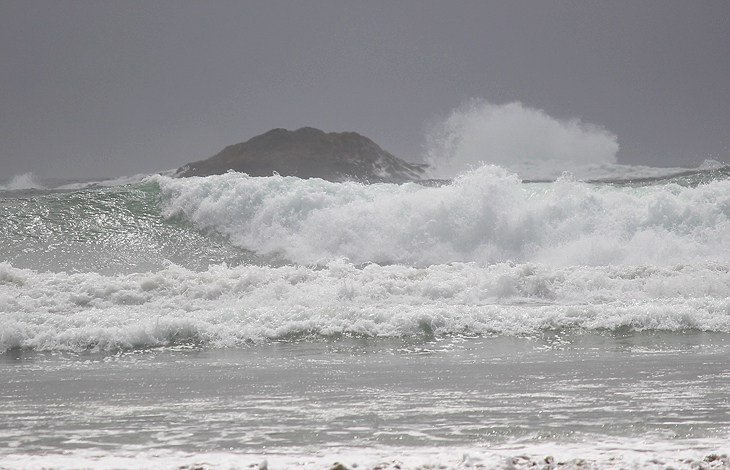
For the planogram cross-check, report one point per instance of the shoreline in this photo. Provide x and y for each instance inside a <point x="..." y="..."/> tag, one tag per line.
<point x="585" y="399"/>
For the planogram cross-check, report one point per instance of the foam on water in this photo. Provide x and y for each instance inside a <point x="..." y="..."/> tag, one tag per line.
<point x="484" y="216"/>
<point x="608" y="454"/>
<point x="230" y="306"/>
<point x="485" y="254"/>
<point x="95" y="270"/>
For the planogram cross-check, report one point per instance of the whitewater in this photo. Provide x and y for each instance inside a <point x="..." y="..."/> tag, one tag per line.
<point x="507" y="314"/>
<point x="472" y="291"/>
<point x="228" y="259"/>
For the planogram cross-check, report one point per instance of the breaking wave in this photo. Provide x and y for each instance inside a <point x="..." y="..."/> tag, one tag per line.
<point x="231" y="306"/>
<point x="484" y="216"/>
<point x="227" y="260"/>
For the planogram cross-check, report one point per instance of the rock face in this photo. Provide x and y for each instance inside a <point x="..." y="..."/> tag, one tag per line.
<point x="309" y="153"/>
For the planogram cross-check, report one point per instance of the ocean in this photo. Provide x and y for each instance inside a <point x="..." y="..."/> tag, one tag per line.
<point x="478" y="322"/>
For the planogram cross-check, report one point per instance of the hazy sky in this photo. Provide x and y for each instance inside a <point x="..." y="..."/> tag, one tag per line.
<point x="105" y="88"/>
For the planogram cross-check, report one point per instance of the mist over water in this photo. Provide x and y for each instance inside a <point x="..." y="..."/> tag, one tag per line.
<point x="526" y="141"/>
<point x="22" y="181"/>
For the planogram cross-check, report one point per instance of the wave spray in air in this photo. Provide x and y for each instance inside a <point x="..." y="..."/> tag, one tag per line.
<point x="529" y="142"/>
<point x="514" y="136"/>
<point x="22" y="181"/>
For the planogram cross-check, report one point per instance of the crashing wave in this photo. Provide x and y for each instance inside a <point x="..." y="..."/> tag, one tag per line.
<point x="484" y="216"/>
<point x="231" y="306"/>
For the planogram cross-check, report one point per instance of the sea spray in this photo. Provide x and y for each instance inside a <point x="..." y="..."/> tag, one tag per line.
<point x="523" y="139"/>
<point x="22" y="181"/>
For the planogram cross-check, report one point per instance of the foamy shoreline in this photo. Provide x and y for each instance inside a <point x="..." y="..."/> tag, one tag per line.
<point x="548" y="456"/>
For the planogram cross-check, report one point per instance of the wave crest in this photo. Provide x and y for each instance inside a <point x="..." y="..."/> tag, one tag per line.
<point x="484" y="216"/>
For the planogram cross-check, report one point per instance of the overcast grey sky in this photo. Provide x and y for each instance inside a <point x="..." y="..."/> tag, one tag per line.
<point x="105" y="88"/>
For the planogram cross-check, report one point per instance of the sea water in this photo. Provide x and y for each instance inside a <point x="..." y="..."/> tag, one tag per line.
<point x="231" y="321"/>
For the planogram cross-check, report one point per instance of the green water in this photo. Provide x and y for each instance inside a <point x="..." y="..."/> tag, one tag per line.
<point x="106" y="230"/>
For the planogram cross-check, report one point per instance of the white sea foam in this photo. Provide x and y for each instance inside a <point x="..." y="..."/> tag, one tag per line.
<point x="485" y="254"/>
<point x="22" y="181"/>
<point x="229" y="306"/>
<point x="485" y="216"/>
<point x="605" y="453"/>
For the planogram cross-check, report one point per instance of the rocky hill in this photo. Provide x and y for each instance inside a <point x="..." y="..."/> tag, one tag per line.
<point x="309" y="153"/>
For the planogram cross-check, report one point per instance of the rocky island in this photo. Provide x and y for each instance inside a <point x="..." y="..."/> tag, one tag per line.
<point x="309" y="153"/>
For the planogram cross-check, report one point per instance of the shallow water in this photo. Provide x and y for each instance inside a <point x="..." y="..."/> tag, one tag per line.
<point x="607" y="394"/>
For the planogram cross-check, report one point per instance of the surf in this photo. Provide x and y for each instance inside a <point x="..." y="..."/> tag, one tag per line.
<point x="485" y="216"/>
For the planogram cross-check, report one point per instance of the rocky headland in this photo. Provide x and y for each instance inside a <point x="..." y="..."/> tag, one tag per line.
<point x="309" y="153"/>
